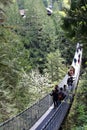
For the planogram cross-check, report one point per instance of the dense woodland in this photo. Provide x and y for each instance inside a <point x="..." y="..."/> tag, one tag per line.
<point x="35" y="52"/>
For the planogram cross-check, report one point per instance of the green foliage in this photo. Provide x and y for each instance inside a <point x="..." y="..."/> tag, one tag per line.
<point x="31" y="87"/>
<point x="45" y="3"/>
<point x="13" y="17"/>
<point x="12" y="59"/>
<point x="55" y="66"/>
<point x="80" y="128"/>
<point x="75" y="23"/>
<point x="5" y="2"/>
<point x="20" y="4"/>
<point x="25" y="44"/>
<point x="77" y="118"/>
<point x="3" y="5"/>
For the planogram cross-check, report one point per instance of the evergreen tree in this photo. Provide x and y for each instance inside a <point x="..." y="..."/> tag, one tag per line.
<point x="75" y="23"/>
<point x="55" y="66"/>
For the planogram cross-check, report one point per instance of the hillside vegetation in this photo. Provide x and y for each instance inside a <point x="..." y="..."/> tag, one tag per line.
<point x="30" y="56"/>
<point x="36" y="51"/>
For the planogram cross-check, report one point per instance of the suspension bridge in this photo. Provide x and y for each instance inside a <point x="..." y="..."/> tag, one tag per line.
<point x="42" y="115"/>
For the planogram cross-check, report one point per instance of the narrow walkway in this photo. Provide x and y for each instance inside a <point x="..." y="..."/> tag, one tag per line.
<point x="42" y="121"/>
<point x="53" y="118"/>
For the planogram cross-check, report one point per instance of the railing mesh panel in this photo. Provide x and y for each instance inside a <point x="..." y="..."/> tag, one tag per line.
<point x="27" y="118"/>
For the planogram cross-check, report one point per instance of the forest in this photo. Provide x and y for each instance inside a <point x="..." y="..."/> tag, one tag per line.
<point x="36" y="50"/>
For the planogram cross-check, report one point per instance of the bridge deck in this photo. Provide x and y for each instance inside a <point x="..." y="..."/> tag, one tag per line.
<point x="53" y="115"/>
<point x="42" y="121"/>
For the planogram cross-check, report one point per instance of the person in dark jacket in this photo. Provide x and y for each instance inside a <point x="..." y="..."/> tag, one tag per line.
<point x="54" y="94"/>
<point x="70" y="83"/>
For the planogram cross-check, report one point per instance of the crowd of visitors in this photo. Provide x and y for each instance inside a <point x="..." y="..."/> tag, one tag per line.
<point x="59" y="93"/>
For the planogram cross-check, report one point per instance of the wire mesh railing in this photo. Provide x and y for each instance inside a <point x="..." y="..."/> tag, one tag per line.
<point x="27" y="118"/>
<point x="57" y="118"/>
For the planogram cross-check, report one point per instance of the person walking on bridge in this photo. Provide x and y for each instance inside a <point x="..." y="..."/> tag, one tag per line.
<point x="70" y="83"/>
<point x="54" y="94"/>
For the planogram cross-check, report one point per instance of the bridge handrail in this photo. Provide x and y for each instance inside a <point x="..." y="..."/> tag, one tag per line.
<point x="61" y="111"/>
<point x="30" y="115"/>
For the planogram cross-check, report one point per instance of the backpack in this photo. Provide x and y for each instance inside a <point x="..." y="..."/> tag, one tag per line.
<point x="60" y="96"/>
